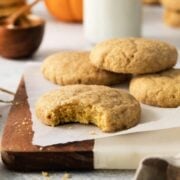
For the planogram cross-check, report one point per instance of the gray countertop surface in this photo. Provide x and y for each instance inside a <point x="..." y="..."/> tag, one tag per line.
<point x="62" y="36"/>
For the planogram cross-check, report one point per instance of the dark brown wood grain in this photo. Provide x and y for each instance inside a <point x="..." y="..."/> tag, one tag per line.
<point x="19" y="154"/>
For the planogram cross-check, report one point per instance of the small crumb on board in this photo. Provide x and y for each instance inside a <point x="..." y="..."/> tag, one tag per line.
<point x="45" y="175"/>
<point x="66" y="176"/>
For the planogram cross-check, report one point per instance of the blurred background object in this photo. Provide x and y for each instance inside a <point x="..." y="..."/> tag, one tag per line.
<point x="172" y="12"/>
<point x="66" y="10"/>
<point x="7" y="7"/>
<point x="22" y="40"/>
<point x="106" y="19"/>
<point x="151" y="2"/>
<point x="21" y="34"/>
<point x="172" y="18"/>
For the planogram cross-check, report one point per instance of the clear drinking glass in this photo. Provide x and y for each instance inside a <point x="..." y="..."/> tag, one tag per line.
<point x="105" y="19"/>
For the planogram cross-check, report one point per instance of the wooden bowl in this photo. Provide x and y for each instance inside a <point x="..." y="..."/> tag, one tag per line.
<point x="22" y="40"/>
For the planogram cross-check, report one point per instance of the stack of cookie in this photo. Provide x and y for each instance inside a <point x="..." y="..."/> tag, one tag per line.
<point x="172" y="12"/>
<point x="67" y="68"/>
<point x="151" y="2"/>
<point x="115" y="61"/>
<point x="154" y="82"/>
<point x="8" y="7"/>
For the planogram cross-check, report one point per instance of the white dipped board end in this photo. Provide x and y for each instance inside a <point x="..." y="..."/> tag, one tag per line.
<point x="126" y="151"/>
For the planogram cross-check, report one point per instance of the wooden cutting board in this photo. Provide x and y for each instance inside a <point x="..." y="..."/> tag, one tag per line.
<point x="119" y="152"/>
<point x="19" y="154"/>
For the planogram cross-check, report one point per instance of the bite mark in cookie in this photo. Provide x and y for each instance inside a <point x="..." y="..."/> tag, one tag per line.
<point x="108" y="108"/>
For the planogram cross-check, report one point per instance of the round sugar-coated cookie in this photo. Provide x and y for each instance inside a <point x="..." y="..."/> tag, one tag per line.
<point x="75" y="68"/>
<point x="108" y="108"/>
<point x="160" y="89"/>
<point x="134" y="55"/>
<point x="172" y="18"/>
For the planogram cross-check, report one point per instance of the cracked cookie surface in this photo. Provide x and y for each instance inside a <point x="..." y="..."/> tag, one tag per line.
<point x="161" y="89"/>
<point x="75" y="68"/>
<point x="108" y="108"/>
<point x="134" y="55"/>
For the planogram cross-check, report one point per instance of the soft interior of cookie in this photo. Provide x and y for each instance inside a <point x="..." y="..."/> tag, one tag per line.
<point x="75" y="113"/>
<point x="90" y="114"/>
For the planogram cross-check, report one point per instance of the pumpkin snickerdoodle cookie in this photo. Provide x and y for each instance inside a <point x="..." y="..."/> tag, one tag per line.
<point x="161" y="89"/>
<point x="108" y="108"/>
<point x="75" y="68"/>
<point x="134" y="55"/>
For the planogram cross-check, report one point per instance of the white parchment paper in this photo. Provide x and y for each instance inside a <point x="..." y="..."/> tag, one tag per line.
<point x="152" y="119"/>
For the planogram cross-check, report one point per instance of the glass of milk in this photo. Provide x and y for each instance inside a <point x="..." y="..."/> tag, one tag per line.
<point x="107" y="19"/>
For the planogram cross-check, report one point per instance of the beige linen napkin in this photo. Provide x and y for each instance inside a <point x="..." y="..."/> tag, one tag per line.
<point x="159" y="169"/>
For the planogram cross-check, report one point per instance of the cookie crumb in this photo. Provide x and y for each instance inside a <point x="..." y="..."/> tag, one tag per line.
<point x="15" y="123"/>
<point x="45" y="174"/>
<point x="66" y="176"/>
<point x="16" y="103"/>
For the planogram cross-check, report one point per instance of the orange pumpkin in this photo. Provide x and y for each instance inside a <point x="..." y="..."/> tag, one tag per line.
<point x="66" y="10"/>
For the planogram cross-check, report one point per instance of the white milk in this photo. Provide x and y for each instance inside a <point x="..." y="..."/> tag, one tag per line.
<point x="106" y="19"/>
